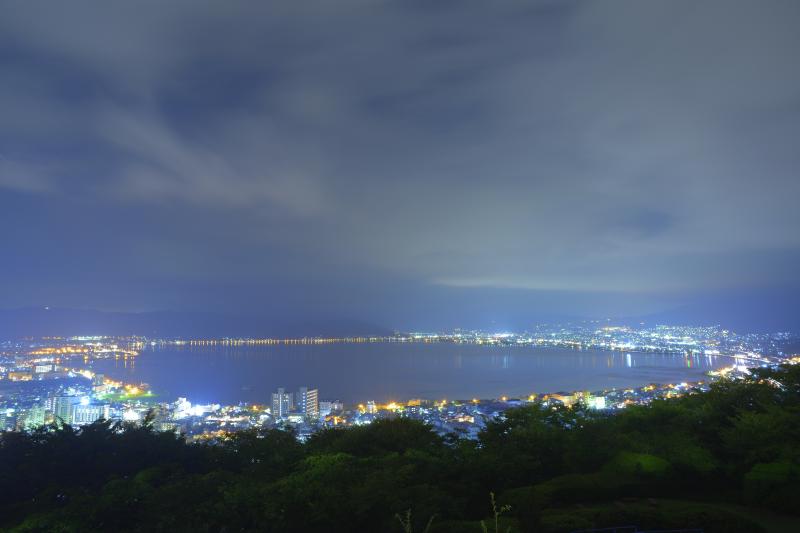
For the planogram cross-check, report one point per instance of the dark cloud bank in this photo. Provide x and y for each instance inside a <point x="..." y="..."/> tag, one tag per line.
<point x="408" y="164"/>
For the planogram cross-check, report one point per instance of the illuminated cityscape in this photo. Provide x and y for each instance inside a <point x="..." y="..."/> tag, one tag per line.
<point x="50" y="381"/>
<point x="400" y="267"/>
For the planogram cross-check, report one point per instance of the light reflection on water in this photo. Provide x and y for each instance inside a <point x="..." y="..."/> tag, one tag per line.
<point x="394" y="371"/>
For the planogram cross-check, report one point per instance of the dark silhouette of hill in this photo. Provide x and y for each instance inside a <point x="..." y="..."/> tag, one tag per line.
<point x="754" y="311"/>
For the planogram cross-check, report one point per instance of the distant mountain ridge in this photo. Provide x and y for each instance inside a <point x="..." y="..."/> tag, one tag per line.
<point x="751" y="313"/>
<point x="53" y="321"/>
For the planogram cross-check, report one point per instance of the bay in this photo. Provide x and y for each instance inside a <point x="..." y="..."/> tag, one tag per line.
<point x="356" y="373"/>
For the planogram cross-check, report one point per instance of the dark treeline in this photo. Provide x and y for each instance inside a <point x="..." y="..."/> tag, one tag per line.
<point x="724" y="460"/>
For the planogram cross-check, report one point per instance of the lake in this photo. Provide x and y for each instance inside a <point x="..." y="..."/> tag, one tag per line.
<point x="356" y="373"/>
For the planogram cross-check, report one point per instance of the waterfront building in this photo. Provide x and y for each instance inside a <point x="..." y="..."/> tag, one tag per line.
<point x="83" y="414"/>
<point x="62" y="408"/>
<point x="32" y="418"/>
<point x="324" y="408"/>
<point x="282" y="403"/>
<point x="596" y="402"/>
<point x="307" y="402"/>
<point x="7" y="419"/>
<point x="566" y="400"/>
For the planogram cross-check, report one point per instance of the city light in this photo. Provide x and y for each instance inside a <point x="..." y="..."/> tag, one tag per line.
<point x="130" y="402"/>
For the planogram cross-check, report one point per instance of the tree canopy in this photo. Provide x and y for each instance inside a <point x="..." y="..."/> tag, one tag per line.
<point x="721" y="460"/>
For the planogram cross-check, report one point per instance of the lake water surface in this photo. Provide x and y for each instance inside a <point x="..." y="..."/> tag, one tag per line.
<point x="392" y="371"/>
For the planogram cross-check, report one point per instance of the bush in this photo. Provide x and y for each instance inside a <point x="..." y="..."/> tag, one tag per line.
<point x="773" y="485"/>
<point x="651" y="514"/>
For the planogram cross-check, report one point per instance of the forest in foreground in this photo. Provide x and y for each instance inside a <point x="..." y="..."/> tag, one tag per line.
<point x="727" y="460"/>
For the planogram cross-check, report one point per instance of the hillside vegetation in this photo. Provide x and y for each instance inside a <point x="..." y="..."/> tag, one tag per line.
<point x="725" y="460"/>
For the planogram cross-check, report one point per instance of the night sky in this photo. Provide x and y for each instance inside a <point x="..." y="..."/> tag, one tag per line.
<point x="415" y="164"/>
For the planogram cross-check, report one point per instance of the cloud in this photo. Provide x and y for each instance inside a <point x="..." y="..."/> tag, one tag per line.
<point x="588" y="146"/>
<point x="159" y="165"/>
<point x="25" y="177"/>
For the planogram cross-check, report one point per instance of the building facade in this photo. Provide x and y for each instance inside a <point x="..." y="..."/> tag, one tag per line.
<point x="307" y="402"/>
<point x="282" y="403"/>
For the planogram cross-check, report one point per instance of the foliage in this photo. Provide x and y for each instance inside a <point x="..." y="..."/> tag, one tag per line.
<point x="408" y="525"/>
<point x="552" y="469"/>
<point x="497" y="512"/>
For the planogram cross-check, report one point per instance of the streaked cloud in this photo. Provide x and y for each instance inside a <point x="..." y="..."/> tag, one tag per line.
<point x="628" y="147"/>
